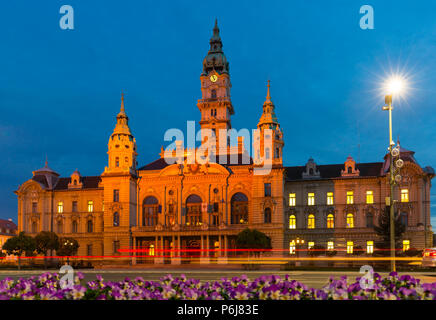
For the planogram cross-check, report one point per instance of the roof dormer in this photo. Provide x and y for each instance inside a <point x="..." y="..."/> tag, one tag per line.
<point x="75" y="182"/>
<point x="311" y="170"/>
<point x="350" y="168"/>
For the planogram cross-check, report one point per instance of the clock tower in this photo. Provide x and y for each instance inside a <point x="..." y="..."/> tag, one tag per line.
<point x="215" y="105"/>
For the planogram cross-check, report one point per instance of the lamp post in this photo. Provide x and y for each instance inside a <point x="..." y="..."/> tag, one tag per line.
<point x="297" y="242"/>
<point x="395" y="85"/>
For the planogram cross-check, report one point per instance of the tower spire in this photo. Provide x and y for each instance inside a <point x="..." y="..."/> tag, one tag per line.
<point x="122" y="102"/>
<point x="268" y="95"/>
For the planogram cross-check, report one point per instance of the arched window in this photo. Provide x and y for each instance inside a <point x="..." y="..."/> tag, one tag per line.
<point x="117" y="162"/>
<point x="116" y="219"/>
<point x="369" y="220"/>
<point x="277" y="153"/>
<point x="267" y="215"/>
<point x="239" y="208"/>
<point x="311" y="221"/>
<point x="292" y="222"/>
<point x="350" y="220"/>
<point x="150" y="207"/>
<point x="350" y="170"/>
<point x="89" y="226"/>
<point x="330" y="221"/>
<point x="193" y="210"/>
<point x="213" y="94"/>
<point x="74" y="227"/>
<point x="311" y="171"/>
<point x="403" y="218"/>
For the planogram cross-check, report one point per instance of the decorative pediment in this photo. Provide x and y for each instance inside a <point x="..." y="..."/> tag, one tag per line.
<point x="75" y="182"/>
<point x="116" y="207"/>
<point x="310" y="210"/>
<point x="350" y="208"/>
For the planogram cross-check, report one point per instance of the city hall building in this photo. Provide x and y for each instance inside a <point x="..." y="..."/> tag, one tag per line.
<point x="172" y="212"/>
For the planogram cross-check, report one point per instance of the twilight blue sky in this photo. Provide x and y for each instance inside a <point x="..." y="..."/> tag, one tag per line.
<point x="60" y="89"/>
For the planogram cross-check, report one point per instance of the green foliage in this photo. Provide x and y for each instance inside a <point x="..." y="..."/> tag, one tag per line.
<point x="20" y="244"/>
<point x="317" y="250"/>
<point x="67" y="247"/>
<point x="383" y="231"/>
<point x="253" y="239"/>
<point x="45" y="241"/>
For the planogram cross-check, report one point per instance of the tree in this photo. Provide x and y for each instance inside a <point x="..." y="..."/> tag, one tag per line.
<point x="67" y="247"/>
<point x="20" y="244"/>
<point x="45" y="241"/>
<point x="383" y="230"/>
<point x="253" y="239"/>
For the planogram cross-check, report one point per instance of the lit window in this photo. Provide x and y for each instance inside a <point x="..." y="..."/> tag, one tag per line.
<point x="60" y="207"/>
<point x="311" y="221"/>
<point x="90" y="206"/>
<point x="330" y="245"/>
<point x="310" y="245"/>
<point x="151" y="250"/>
<point x="350" y="197"/>
<point x="330" y="221"/>
<point x="369" y="197"/>
<point x="369" y="247"/>
<point x="406" y="245"/>
<point x="292" y="222"/>
<point x="350" y="246"/>
<point x="292" y="201"/>
<point x="404" y="195"/>
<point x="311" y="199"/>
<point x="330" y="198"/>
<point x="292" y="247"/>
<point x="350" y="220"/>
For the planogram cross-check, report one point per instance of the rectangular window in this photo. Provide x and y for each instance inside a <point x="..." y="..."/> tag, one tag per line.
<point x="60" y="207"/>
<point x="116" y="195"/>
<point x="330" y="245"/>
<point x="311" y="199"/>
<point x="369" y="197"/>
<point x="90" y="206"/>
<point x="116" y="246"/>
<point x="267" y="187"/>
<point x="369" y="247"/>
<point x="350" y="197"/>
<point x="406" y="245"/>
<point x="74" y="206"/>
<point x="350" y="246"/>
<point x="404" y="195"/>
<point x="34" y="207"/>
<point x="310" y="245"/>
<point x="89" y="250"/>
<point x="330" y="198"/>
<point x="292" y="200"/>
<point x="292" y="222"/>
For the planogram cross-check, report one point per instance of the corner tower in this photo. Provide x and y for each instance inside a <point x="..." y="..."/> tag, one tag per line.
<point x="215" y="105"/>
<point x="121" y="146"/>
<point x="268" y="120"/>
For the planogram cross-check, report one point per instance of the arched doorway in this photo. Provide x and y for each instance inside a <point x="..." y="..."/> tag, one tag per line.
<point x="239" y="208"/>
<point x="150" y="207"/>
<point x="193" y="210"/>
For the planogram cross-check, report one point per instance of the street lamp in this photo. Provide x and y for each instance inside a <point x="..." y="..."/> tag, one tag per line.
<point x="394" y="86"/>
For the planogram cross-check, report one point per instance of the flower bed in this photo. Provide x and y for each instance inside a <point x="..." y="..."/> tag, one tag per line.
<point x="48" y="287"/>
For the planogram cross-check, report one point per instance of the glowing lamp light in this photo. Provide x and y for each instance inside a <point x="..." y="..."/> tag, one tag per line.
<point x="395" y="85"/>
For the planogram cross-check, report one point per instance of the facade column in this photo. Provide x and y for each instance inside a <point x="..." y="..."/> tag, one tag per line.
<point x="207" y="246"/>
<point x="173" y="246"/>
<point x="134" y="251"/>
<point x="202" y="247"/>
<point x="225" y="246"/>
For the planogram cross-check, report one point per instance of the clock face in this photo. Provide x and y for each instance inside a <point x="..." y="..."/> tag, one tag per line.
<point x="213" y="78"/>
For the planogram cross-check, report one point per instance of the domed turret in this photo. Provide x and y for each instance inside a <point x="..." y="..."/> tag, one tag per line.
<point x="215" y="59"/>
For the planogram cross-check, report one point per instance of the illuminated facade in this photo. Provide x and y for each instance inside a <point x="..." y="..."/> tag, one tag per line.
<point x="167" y="212"/>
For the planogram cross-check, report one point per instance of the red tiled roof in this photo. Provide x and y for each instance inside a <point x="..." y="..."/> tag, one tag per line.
<point x="6" y="224"/>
